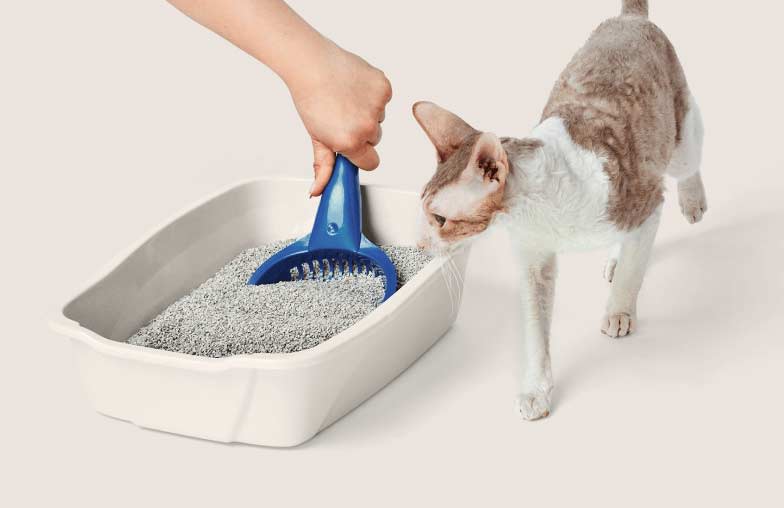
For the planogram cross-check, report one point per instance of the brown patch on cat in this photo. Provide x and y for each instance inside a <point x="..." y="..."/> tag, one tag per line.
<point x="624" y="96"/>
<point x="454" y="231"/>
<point x="457" y="229"/>
<point x="635" y="7"/>
<point x="450" y="169"/>
<point x="517" y="149"/>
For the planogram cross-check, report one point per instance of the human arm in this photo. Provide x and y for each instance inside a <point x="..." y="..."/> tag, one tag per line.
<point x="339" y="97"/>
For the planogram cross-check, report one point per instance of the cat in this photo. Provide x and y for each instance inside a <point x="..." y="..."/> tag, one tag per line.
<point x="590" y="175"/>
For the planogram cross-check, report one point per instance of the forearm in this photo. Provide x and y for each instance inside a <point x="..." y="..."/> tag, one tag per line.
<point x="268" y="30"/>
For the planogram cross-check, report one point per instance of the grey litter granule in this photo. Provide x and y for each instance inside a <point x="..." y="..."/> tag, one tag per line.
<point x="224" y="316"/>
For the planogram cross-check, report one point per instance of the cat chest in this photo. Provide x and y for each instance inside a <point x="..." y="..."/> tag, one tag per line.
<point x="560" y="232"/>
<point x="570" y="216"/>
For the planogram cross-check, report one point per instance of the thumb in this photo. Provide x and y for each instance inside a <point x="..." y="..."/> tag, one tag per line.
<point x="323" y="162"/>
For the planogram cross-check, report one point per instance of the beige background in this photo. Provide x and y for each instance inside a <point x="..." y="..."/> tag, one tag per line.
<point x="114" y="115"/>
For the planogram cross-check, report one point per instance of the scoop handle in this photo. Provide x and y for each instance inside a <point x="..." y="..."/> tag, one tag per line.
<point x="338" y="223"/>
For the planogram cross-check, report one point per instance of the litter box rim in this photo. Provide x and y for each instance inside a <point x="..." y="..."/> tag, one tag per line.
<point x="70" y="328"/>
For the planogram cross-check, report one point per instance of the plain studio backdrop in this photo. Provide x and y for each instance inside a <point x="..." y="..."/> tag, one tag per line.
<point x="115" y="115"/>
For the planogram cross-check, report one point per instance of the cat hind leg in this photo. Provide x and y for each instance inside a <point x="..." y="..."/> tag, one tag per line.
<point x="685" y="166"/>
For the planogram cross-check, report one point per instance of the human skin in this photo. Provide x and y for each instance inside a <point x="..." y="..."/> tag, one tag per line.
<point x="338" y="95"/>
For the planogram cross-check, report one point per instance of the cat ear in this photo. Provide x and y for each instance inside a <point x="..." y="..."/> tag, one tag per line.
<point x="446" y="130"/>
<point x="488" y="160"/>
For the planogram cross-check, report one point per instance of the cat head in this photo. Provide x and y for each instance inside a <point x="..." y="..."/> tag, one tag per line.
<point x="467" y="189"/>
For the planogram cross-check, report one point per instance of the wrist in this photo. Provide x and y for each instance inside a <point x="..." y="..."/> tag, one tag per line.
<point x="311" y="65"/>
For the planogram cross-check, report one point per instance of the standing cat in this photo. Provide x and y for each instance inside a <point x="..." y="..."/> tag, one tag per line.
<point x="590" y="175"/>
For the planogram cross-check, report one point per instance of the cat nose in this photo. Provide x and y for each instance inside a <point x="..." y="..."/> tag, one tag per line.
<point x="440" y="220"/>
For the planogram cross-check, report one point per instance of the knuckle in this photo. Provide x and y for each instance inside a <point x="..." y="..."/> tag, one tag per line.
<point x="367" y="129"/>
<point x="355" y="146"/>
<point x="358" y="137"/>
<point x="346" y="142"/>
<point x="381" y="86"/>
<point x="386" y="88"/>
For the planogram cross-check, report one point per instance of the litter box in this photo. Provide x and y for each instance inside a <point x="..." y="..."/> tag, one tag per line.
<point x="262" y="399"/>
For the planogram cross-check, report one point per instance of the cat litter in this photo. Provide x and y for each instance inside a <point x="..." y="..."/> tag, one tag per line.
<point x="225" y="316"/>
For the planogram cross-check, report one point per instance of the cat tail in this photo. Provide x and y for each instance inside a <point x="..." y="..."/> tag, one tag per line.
<point x="635" y="8"/>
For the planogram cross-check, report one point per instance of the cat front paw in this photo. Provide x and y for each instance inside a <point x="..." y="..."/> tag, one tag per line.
<point x="618" y="325"/>
<point x="692" y="200"/>
<point x="534" y="405"/>
<point x="694" y="210"/>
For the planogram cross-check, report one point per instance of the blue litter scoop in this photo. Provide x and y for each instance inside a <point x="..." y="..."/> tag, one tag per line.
<point x="335" y="246"/>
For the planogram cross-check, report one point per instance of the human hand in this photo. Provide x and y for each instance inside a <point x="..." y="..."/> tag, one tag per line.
<point x="339" y="96"/>
<point x="341" y="103"/>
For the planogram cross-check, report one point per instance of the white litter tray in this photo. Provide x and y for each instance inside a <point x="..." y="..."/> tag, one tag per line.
<point x="264" y="399"/>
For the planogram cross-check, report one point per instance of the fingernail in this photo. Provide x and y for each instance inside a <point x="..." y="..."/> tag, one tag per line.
<point x="310" y="192"/>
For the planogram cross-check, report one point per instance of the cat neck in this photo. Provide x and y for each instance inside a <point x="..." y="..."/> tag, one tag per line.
<point x="559" y="170"/>
<point x="530" y="173"/>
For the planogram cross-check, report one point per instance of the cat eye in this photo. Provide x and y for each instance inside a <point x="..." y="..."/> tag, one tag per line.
<point x="440" y="219"/>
